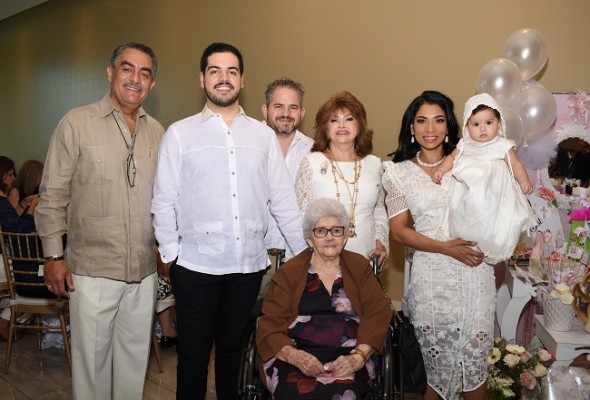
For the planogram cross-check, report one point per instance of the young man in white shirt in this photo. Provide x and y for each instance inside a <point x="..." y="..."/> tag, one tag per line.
<point x="220" y="173"/>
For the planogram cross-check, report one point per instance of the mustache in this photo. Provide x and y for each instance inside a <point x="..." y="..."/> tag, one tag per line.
<point x="133" y="86"/>
<point x="225" y="83"/>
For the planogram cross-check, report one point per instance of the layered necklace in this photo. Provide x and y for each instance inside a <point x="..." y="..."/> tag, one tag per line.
<point x="352" y="188"/>
<point x="427" y="165"/>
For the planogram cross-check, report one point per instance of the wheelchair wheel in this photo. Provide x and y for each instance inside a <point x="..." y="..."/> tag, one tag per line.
<point x="383" y="388"/>
<point x="249" y="386"/>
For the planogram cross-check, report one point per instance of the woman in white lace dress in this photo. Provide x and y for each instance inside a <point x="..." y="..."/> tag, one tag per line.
<point x="451" y="295"/>
<point x="341" y="166"/>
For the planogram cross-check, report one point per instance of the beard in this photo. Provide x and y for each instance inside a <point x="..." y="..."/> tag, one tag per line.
<point x="283" y="129"/>
<point x="222" y="101"/>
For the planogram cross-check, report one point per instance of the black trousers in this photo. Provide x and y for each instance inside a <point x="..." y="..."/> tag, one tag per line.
<point x="211" y="309"/>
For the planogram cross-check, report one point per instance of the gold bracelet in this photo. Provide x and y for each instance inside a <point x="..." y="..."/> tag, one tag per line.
<point x="358" y="351"/>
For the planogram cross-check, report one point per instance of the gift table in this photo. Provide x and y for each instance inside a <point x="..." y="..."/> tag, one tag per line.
<point x="564" y="346"/>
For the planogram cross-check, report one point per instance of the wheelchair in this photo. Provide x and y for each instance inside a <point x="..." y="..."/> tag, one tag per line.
<point x="250" y="386"/>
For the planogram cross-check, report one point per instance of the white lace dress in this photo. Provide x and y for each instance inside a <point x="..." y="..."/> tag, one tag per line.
<point x="316" y="180"/>
<point x="451" y="304"/>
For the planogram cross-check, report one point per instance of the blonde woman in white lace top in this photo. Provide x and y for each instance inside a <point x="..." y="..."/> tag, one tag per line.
<point x="451" y="294"/>
<point x="341" y="167"/>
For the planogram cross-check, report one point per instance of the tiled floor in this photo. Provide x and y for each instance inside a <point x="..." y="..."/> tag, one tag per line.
<point x="44" y="375"/>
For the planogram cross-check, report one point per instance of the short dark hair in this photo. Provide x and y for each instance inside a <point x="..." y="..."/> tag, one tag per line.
<point x="219" y="47"/>
<point x="137" y="46"/>
<point x="6" y="165"/>
<point x="286" y="83"/>
<point x="482" y="107"/>
<point x="363" y="142"/>
<point x="406" y="149"/>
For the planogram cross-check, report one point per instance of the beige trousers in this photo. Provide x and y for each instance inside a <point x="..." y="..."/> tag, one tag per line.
<point x="111" y="323"/>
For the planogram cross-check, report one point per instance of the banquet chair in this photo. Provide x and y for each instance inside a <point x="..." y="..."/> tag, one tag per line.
<point x="19" y="248"/>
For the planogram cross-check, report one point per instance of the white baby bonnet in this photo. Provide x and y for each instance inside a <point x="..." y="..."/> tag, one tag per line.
<point x="472" y="104"/>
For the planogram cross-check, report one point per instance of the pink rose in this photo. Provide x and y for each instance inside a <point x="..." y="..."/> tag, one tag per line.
<point x="524" y="357"/>
<point x="528" y="380"/>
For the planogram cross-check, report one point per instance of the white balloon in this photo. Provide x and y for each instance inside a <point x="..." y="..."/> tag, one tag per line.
<point x="530" y="84"/>
<point x="537" y="108"/>
<point x="514" y="127"/>
<point x="500" y="78"/>
<point x="528" y="49"/>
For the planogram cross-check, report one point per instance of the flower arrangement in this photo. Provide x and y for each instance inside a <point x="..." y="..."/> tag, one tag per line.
<point x="514" y="370"/>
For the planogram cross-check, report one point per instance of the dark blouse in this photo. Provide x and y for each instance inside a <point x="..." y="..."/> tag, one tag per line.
<point x="10" y="221"/>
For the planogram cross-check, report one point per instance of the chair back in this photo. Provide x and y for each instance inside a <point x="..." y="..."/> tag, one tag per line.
<point x="23" y="257"/>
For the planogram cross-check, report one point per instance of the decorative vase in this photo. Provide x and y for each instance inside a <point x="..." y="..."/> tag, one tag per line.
<point x="558" y="316"/>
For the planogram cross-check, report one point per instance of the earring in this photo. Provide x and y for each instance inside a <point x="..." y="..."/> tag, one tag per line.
<point x="412" y="139"/>
<point x="446" y="139"/>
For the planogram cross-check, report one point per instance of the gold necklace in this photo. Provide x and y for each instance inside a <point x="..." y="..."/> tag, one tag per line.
<point x="352" y="195"/>
<point x="427" y="165"/>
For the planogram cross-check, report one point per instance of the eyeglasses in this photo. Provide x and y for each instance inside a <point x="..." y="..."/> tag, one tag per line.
<point x="336" y="231"/>
<point x="131" y="169"/>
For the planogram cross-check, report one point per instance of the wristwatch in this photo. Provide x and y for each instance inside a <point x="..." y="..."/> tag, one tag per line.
<point x="55" y="258"/>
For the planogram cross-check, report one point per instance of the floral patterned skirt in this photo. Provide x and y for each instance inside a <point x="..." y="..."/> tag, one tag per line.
<point x="327" y="328"/>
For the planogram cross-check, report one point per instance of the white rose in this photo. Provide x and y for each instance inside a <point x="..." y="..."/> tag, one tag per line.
<point x="511" y="359"/>
<point x="540" y="370"/>
<point x="544" y="355"/>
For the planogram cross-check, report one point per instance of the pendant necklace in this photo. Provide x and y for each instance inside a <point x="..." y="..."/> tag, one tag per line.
<point x="352" y="194"/>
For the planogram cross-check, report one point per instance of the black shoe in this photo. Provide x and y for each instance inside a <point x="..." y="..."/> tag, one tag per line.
<point x="167" y="341"/>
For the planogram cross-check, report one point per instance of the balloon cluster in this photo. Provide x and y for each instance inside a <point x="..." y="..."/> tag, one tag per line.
<point x="527" y="107"/>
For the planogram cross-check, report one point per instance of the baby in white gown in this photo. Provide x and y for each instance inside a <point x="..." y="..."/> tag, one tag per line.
<point x="487" y="206"/>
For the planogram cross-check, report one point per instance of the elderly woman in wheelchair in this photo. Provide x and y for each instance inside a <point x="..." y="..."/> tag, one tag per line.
<point x="323" y="316"/>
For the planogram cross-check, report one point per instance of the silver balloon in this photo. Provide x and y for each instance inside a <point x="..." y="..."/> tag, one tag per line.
<point x="527" y="48"/>
<point x="537" y="108"/>
<point x="514" y="127"/>
<point x="500" y="78"/>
